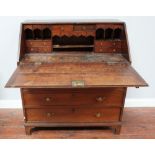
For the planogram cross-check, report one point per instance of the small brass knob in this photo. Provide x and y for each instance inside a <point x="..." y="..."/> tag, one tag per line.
<point x="114" y="50"/>
<point x="98" y="114"/>
<point x="114" y="43"/>
<point x="50" y="114"/>
<point x="62" y="28"/>
<point x="100" y="99"/>
<point x="48" y="99"/>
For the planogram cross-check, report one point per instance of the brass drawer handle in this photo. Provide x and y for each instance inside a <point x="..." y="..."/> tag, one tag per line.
<point x="32" y="49"/>
<point x="98" y="114"/>
<point x="50" y="114"/>
<point x="101" y="49"/>
<point x="48" y="99"/>
<point x="100" y="99"/>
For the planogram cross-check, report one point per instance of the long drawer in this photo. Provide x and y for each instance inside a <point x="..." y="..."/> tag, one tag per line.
<point x="106" y="96"/>
<point x="71" y="114"/>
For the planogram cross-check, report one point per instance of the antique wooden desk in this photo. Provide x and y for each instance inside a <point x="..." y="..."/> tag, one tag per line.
<point x="74" y="74"/>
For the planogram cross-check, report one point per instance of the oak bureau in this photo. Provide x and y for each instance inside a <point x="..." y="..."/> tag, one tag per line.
<point x="74" y="74"/>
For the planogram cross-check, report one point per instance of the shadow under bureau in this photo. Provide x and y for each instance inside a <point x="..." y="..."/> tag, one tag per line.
<point x="74" y="74"/>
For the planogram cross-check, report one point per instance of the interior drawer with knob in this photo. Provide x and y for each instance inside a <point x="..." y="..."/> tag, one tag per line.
<point x="44" y="49"/>
<point x="39" y="49"/>
<point x="70" y="114"/>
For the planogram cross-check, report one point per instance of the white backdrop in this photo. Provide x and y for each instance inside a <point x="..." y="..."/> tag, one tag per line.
<point x="141" y="33"/>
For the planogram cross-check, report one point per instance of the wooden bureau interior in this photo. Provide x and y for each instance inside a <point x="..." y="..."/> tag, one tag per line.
<point x="74" y="74"/>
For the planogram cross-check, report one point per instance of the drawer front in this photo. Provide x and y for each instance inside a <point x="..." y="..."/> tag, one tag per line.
<point x="68" y="115"/>
<point x="84" y="27"/>
<point x="107" y="50"/>
<point x="47" y="99"/>
<point x="116" y="44"/>
<point x="61" y="29"/>
<point x="37" y="26"/>
<point x="112" y="26"/>
<point x="56" y="32"/>
<point x="28" y="26"/>
<point x="38" y="43"/>
<point x="46" y="49"/>
<point x="32" y="49"/>
<point x="108" y="46"/>
<point x="107" y="97"/>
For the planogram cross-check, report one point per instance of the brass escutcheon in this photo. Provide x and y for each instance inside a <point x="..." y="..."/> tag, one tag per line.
<point x="100" y="99"/>
<point x="78" y="83"/>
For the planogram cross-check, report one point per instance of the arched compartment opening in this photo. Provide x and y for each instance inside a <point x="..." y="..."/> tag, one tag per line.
<point x="37" y="34"/>
<point x="28" y="34"/>
<point x="99" y="34"/>
<point x="117" y="34"/>
<point x="108" y="33"/>
<point x="46" y="33"/>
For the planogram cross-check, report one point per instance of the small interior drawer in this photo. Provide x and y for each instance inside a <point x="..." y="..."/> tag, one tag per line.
<point x="107" y="44"/>
<point x="38" y="43"/>
<point x="39" y="49"/>
<point x="105" y="26"/>
<point x="84" y="27"/>
<point x="60" y="29"/>
<point x="32" y="49"/>
<point x="46" y="49"/>
<point x="107" y="50"/>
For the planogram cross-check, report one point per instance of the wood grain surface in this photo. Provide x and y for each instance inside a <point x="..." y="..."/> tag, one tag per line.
<point x="95" y="70"/>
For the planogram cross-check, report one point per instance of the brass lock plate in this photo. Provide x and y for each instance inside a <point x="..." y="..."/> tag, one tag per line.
<point x="78" y="83"/>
